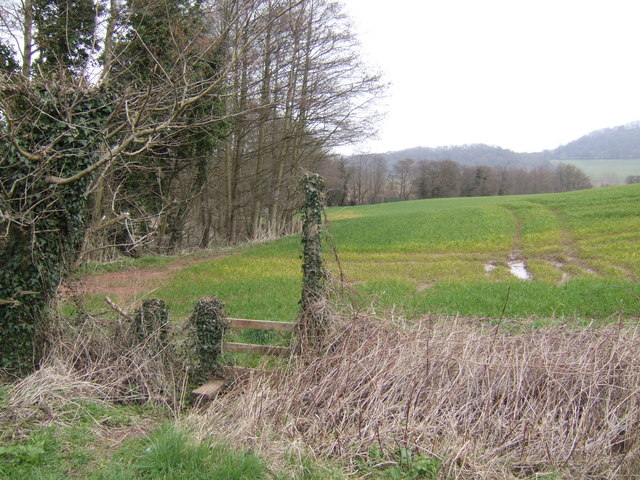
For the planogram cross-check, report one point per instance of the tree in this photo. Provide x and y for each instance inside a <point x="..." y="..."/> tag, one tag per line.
<point x="368" y="179"/>
<point x="65" y="33"/>
<point x="58" y="131"/>
<point x="153" y="38"/>
<point x="299" y="90"/>
<point x="480" y="181"/>
<point x="421" y="180"/>
<point x="337" y="174"/>
<point x="138" y="122"/>
<point x="438" y="179"/>
<point x="632" y="179"/>
<point x="52" y="122"/>
<point x="571" y="178"/>
<point x="404" y="174"/>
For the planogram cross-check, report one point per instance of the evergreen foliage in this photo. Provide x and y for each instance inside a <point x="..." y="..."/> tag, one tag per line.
<point x="44" y="223"/>
<point x="314" y="272"/>
<point x="8" y="62"/>
<point x="65" y="32"/>
<point x="152" y="319"/>
<point x="206" y="329"/>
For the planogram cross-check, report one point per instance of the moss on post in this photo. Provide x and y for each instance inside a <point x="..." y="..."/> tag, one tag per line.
<point x="206" y="330"/>
<point x="152" y="319"/>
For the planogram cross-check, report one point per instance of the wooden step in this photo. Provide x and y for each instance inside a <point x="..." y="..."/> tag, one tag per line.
<point x="209" y="389"/>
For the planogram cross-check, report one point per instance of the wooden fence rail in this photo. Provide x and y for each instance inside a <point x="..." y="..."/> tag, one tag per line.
<point x="242" y="323"/>
<point x="214" y="385"/>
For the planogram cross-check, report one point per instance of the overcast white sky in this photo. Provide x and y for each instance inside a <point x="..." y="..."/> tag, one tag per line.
<point x="527" y="75"/>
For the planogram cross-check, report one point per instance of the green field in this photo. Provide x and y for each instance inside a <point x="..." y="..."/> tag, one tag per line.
<point x="608" y="171"/>
<point x="418" y="257"/>
<point x="433" y="256"/>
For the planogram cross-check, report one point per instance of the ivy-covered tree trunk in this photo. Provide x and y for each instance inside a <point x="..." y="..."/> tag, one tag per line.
<point x="43" y="223"/>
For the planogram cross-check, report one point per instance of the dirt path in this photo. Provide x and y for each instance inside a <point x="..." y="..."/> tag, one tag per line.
<point x="570" y="251"/>
<point x="566" y="260"/>
<point x="131" y="284"/>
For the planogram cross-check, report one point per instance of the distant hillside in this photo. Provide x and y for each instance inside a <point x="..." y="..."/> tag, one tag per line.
<point x="622" y="142"/>
<point x="476" y="154"/>
<point x="616" y="142"/>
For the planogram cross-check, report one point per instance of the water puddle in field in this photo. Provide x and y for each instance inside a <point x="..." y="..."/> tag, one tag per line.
<point x="519" y="270"/>
<point x="517" y="267"/>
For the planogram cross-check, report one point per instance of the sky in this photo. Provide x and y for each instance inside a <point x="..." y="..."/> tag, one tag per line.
<point x="527" y="75"/>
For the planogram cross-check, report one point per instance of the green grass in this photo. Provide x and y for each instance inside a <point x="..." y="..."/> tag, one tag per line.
<point x="401" y="464"/>
<point x="56" y="453"/>
<point x="147" y="262"/>
<point x="606" y="171"/>
<point x="265" y="284"/>
<point x="172" y="454"/>
<point x="124" y="263"/>
<point x="77" y="439"/>
<point x="33" y="448"/>
<point x="430" y="256"/>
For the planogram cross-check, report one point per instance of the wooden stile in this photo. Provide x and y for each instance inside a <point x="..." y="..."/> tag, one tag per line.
<point x="209" y="389"/>
<point x="215" y="385"/>
<point x="241" y="323"/>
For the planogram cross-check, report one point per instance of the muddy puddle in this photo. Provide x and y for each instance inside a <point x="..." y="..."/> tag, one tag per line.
<point x="519" y="270"/>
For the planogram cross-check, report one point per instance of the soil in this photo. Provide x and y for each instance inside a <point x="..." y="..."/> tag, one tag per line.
<point x="128" y="285"/>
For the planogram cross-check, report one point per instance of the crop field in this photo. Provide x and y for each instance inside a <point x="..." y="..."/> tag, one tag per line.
<point x="606" y="171"/>
<point x="450" y="256"/>
<point x="467" y="401"/>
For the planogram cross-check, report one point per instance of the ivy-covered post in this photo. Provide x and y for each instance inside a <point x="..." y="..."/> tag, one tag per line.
<point x="152" y="319"/>
<point x="312" y="321"/>
<point x="206" y="329"/>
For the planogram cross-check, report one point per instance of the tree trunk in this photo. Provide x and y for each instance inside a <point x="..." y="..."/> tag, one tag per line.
<point x="27" y="38"/>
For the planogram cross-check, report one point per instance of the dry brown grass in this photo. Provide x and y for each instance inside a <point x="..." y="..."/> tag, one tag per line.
<point x="99" y="360"/>
<point x="489" y="403"/>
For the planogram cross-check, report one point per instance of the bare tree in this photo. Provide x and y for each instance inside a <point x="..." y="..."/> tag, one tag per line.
<point x="571" y="178"/>
<point x="304" y="90"/>
<point x="404" y="174"/>
<point x="64" y="133"/>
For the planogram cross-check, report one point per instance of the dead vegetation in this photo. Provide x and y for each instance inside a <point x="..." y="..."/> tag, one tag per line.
<point x="99" y="360"/>
<point x="487" y="402"/>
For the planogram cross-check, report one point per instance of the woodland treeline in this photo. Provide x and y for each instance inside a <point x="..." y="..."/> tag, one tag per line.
<point x="155" y="125"/>
<point x="365" y="179"/>
<point x="222" y="105"/>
